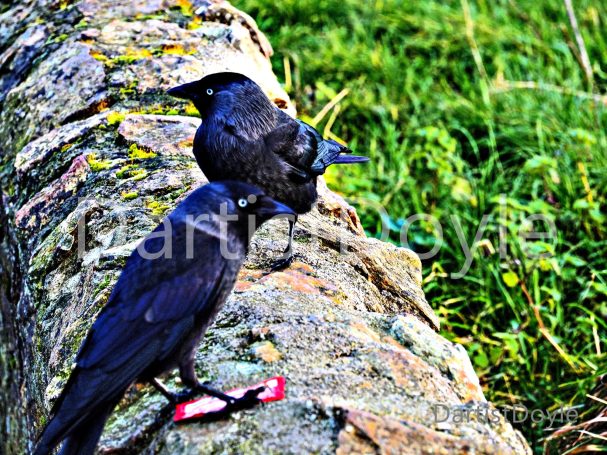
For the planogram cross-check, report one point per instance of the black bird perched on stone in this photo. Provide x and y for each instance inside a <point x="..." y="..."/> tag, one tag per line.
<point x="244" y="136"/>
<point x="169" y="292"/>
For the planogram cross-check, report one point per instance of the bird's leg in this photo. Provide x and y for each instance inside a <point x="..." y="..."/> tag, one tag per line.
<point x="287" y="255"/>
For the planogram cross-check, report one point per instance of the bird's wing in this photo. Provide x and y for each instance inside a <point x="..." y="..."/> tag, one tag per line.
<point x="308" y="153"/>
<point x="151" y="296"/>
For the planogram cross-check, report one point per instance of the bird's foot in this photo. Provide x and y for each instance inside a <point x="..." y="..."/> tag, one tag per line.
<point x="281" y="264"/>
<point x="248" y="400"/>
<point x="173" y="397"/>
<point x="183" y="395"/>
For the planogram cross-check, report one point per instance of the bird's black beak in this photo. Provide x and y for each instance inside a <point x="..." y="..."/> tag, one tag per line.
<point x="185" y="91"/>
<point x="269" y="208"/>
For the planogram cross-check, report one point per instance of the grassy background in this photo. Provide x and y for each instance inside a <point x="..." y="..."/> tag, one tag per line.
<point x="472" y="109"/>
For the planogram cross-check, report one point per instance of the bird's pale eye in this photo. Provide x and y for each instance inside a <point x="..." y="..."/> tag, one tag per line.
<point x="209" y="91"/>
<point x="243" y="203"/>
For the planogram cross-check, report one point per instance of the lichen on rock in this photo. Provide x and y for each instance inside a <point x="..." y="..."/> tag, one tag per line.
<point x="90" y="164"/>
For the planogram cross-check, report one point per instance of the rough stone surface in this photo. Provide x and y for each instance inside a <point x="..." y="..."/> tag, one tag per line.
<point x="151" y="131"/>
<point x="90" y="162"/>
<point x="16" y="60"/>
<point x="68" y="83"/>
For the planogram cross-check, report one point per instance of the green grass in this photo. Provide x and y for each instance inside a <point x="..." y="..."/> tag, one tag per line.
<point x="437" y="101"/>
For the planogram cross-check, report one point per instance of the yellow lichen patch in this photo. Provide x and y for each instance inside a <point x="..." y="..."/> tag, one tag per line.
<point x="132" y="55"/>
<point x="129" y="89"/>
<point x="127" y="196"/>
<point x="114" y="118"/>
<point x="66" y="147"/>
<point x="82" y="24"/>
<point x="124" y="171"/>
<point x="140" y="153"/>
<point x="61" y="38"/>
<point x="139" y="174"/>
<point x="156" y="109"/>
<point x="266" y="351"/>
<point x="185" y="6"/>
<point x="97" y="165"/>
<point x="176" y="49"/>
<point x="195" y="23"/>
<point x="157" y="208"/>
<point x="99" y="56"/>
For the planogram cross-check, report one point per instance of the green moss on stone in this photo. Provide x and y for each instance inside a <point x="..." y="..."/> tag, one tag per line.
<point x="115" y="118"/>
<point x="139" y="153"/>
<point x="102" y="285"/>
<point x="128" y="196"/>
<point x="98" y="165"/>
<point x="158" y="208"/>
<point x="131" y="171"/>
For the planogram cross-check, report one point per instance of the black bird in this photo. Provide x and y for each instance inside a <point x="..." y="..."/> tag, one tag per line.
<point x="244" y="136"/>
<point x="169" y="292"/>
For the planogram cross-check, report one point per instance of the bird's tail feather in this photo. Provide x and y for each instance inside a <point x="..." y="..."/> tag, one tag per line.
<point x="83" y="440"/>
<point x="344" y="154"/>
<point x="350" y="159"/>
<point x="76" y="419"/>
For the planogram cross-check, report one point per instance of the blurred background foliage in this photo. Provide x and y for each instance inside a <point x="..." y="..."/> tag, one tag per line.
<point x="471" y="108"/>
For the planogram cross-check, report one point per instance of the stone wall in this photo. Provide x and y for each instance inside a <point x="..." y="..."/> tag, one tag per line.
<point x="94" y="153"/>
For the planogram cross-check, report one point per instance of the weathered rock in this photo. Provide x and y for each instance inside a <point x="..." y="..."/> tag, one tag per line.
<point x="38" y="209"/>
<point x="68" y="84"/>
<point x="222" y="11"/>
<point x="151" y="131"/>
<point x="15" y="19"/>
<point x="18" y="58"/>
<point x="368" y="433"/>
<point x="33" y="155"/>
<point x="124" y="9"/>
<point x="154" y="55"/>
<point x="347" y="324"/>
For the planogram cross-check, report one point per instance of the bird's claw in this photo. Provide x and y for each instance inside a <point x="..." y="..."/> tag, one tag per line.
<point x="281" y="264"/>
<point x="248" y="400"/>
<point x="182" y="396"/>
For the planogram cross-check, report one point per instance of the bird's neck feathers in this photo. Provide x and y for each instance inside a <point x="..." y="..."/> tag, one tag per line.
<point x="254" y="113"/>
<point x="228" y="232"/>
<point x="247" y="110"/>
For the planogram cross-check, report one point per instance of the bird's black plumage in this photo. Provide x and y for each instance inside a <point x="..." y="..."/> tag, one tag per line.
<point x="169" y="292"/>
<point x="244" y="136"/>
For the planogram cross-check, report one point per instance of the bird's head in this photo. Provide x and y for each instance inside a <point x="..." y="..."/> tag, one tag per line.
<point x="244" y="207"/>
<point x="220" y="93"/>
